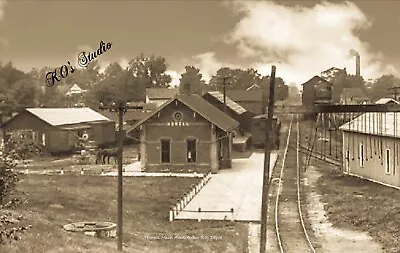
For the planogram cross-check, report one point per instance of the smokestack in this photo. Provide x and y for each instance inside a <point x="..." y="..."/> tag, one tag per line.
<point x="353" y="52"/>
<point x="357" y="65"/>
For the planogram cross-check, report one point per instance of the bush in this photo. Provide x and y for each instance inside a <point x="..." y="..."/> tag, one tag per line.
<point x="8" y="177"/>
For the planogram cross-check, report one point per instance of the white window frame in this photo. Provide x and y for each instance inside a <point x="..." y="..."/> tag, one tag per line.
<point x="44" y="139"/>
<point x="361" y="155"/>
<point x="387" y="161"/>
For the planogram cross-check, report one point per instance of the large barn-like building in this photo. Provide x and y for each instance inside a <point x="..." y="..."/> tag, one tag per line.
<point x="317" y="90"/>
<point x="58" y="129"/>
<point x="371" y="147"/>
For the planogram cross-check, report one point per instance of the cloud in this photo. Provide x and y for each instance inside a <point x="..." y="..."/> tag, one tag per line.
<point x="2" y="4"/>
<point x="175" y="77"/>
<point x="300" y="41"/>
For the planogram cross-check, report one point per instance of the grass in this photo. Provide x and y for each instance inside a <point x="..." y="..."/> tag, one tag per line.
<point x="53" y="201"/>
<point x="362" y="205"/>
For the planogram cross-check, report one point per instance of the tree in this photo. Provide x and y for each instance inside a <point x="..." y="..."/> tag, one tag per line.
<point x="11" y="74"/>
<point x="143" y="73"/>
<point x="341" y="80"/>
<point x="381" y="87"/>
<point x="193" y="77"/>
<point x="23" y="94"/>
<point x="236" y="78"/>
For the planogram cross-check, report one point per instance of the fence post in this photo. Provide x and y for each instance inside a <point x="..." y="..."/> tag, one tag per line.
<point x="199" y="218"/>
<point x="232" y="217"/>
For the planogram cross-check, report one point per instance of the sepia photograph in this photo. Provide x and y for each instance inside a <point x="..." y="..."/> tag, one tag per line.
<point x="199" y="126"/>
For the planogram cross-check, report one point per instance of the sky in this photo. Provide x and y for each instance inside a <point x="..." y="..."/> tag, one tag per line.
<point x="301" y="38"/>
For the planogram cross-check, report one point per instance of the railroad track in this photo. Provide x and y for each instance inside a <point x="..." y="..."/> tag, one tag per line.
<point x="291" y="233"/>
<point x="317" y="155"/>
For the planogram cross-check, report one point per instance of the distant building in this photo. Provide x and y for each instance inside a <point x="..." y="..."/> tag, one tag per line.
<point x="253" y="87"/>
<point x="58" y="129"/>
<point x="234" y="109"/>
<point x="184" y="134"/>
<point x="353" y="96"/>
<point x="316" y="91"/>
<point x="159" y="96"/>
<point x="391" y="101"/>
<point x="75" y="90"/>
<point x="371" y="147"/>
<point x="251" y="99"/>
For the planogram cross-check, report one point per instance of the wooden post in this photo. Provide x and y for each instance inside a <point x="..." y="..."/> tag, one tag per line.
<point x="120" y="153"/>
<point x="120" y="108"/>
<point x="267" y="157"/>
<point x="199" y="219"/>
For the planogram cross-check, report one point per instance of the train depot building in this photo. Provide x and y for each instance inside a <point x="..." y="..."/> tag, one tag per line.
<point x="185" y="134"/>
<point x="371" y="147"/>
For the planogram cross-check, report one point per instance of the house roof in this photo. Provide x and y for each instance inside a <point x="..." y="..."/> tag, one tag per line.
<point x="252" y="87"/>
<point x="200" y="106"/>
<point x="66" y="116"/>
<point x="317" y="79"/>
<point x="383" y="101"/>
<point x="161" y="93"/>
<point x="254" y="95"/>
<point x="146" y="106"/>
<point x="229" y="102"/>
<point x="375" y="123"/>
<point x="130" y="115"/>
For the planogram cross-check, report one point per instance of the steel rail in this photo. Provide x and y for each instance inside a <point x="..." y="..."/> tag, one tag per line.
<point x="298" y="186"/>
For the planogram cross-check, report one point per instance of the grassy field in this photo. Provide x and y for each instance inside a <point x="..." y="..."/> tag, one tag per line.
<point x="362" y="205"/>
<point x="53" y="201"/>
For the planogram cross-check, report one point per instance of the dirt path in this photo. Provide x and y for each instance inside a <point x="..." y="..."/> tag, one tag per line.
<point x="331" y="239"/>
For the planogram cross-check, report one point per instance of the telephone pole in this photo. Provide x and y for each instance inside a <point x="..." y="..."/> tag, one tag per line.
<point x="395" y="91"/>
<point x="121" y="108"/>
<point x="267" y="158"/>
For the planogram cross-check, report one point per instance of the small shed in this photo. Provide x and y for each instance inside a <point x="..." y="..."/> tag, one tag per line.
<point x="59" y="129"/>
<point x="259" y="129"/>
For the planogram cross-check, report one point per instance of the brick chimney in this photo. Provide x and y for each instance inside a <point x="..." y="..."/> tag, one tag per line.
<point x="357" y="65"/>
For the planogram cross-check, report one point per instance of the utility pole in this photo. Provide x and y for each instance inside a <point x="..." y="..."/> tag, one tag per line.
<point x="395" y="89"/>
<point x="121" y="108"/>
<point x="267" y="156"/>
